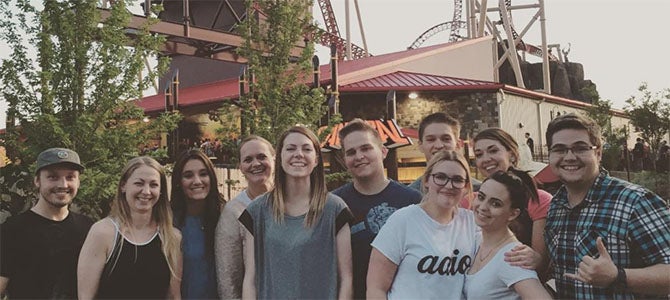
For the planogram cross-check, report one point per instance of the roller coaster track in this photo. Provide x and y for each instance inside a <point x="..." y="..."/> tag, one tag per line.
<point x="331" y="35"/>
<point x="456" y="24"/>
<point x="435" y="30"/>
<point x="327" y="39"/>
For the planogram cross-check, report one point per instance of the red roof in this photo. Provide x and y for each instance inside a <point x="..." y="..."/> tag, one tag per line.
<point x="402" y="80"/>
<point x="194" y="95"/>
<point x="371" y="66"/>
<point x="375" y="73"/>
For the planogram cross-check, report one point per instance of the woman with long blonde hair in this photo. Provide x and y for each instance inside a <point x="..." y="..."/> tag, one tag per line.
<point x="135" y="251"/>
<point x="298" y="241"/>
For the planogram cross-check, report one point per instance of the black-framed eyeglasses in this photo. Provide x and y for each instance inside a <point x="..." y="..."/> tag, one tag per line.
<point x="442" y="179"/>
<point x="577" y="150"/>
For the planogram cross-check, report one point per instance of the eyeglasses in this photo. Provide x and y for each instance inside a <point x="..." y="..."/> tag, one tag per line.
<point x="442" y="179"/>
<point x="578" y="150"/>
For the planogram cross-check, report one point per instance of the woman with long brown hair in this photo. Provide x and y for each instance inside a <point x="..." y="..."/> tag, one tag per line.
<point x="502" y="199"/>
<point x="196" y="206"/>
<point x="496" y="150"/>
<point x="298" y="237"/>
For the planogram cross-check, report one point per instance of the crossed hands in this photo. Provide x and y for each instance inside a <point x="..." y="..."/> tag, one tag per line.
<point x="599" y="271"/>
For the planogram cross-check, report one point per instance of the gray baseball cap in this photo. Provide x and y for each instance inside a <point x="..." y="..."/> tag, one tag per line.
<point x="55" y="156"/>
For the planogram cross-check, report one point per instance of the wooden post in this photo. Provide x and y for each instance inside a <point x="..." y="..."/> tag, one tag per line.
<point x="392" y="155"/>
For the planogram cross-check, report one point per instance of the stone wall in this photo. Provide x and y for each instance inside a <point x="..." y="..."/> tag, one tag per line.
<point x="476" y="111"/>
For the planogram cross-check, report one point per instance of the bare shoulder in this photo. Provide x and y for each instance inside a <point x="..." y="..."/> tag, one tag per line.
<point x="103" y="230"/>
<point x="101" y="237"/>
<point x="176" y="233"/>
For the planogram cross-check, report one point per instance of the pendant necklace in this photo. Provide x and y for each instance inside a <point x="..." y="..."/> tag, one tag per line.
<point x="495" y="247"/>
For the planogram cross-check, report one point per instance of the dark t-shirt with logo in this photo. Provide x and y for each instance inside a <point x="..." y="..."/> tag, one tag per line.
<point x="370" y="214"/>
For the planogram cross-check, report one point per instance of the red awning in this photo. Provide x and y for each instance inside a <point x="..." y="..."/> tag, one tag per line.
<point x="546" y="175"/>
<point x="391" y="135"/>
<point x="409" y="132"/>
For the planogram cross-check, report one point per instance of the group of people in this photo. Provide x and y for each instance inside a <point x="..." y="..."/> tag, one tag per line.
<point x="447" y="235"/>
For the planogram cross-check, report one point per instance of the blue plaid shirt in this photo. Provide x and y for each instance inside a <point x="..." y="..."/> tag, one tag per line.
<point x="633" y="222"/>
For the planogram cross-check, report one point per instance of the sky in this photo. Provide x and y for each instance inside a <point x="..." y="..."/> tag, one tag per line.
<point x="614" y="40"/>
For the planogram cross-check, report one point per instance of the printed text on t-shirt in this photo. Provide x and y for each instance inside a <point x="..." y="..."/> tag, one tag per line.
<point x="449" y="265"/>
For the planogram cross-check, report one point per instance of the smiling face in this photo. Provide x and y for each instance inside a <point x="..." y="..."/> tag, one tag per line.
<point x="493" y="206"/>
<point x="446" y="196"/>
<point x="195" y="181"/>
<point x="142" y="189"/>
<point x="437" y="137"/>
<point x="256" y="162"/>
<point x="363" y="155"/>
<point x="574" y="170"/>
<point x="492" y="156"/>
<point x="57" y="185"/>
<point x="298" y="156"/>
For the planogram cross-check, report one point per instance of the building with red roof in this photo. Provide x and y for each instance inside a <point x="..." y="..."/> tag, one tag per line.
<point x="458" y="78"/>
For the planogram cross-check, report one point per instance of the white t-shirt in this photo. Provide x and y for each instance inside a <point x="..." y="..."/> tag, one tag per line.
<point x="495" y="279"/>
<point x="432" y="258"/>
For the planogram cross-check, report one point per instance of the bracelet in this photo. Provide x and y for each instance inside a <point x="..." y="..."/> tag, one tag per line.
<point x="620" y="283"/>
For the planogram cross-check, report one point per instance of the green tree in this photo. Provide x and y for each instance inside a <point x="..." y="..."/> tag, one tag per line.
<point x="614" y="138"/>
<point x="75" y="92"/>
<point x="650" y="114"/>
<point x="279" y="96"/>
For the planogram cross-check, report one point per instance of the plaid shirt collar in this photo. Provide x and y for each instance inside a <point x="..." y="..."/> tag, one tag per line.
<point x="592" y="196"/>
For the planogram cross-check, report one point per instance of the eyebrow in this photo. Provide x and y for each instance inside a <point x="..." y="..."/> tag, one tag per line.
<point x="295" y="145"/>
<point x="438" y="134"/>
<point x="494" y="198"/>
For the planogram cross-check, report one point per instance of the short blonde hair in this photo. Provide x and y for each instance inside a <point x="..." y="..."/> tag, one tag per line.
<point x="447" y="155"/>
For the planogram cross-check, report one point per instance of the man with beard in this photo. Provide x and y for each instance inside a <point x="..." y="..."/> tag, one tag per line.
<point x="40" y="247"/>
<point x="607" y="238"/>
<point x="371" y="196"/>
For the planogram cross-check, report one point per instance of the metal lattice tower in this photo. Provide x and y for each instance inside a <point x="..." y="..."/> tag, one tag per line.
<point x="331" y="35"/>
<point x="456" y="22"/>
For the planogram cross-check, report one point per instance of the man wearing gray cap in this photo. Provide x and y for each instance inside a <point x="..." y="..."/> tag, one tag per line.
<point x="40" y="247"/>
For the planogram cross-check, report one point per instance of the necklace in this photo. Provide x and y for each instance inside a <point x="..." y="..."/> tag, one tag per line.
<point x="495" y="247"/>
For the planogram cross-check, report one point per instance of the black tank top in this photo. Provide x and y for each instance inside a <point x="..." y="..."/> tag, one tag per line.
<point x="141" y="272"/>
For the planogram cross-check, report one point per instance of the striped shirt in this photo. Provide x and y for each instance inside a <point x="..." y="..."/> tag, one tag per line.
<point x="633" y="222"/>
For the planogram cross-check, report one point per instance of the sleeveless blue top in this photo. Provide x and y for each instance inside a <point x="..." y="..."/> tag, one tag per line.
<point x="199" y="274"/>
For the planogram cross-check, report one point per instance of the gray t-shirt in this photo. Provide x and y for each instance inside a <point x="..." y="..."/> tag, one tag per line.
<point x="496" y="278"/>
<point x="294" y="261"/>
